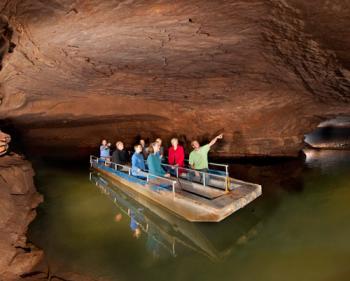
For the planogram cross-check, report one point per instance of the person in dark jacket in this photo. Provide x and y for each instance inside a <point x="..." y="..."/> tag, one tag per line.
<point x="120" y="155"/>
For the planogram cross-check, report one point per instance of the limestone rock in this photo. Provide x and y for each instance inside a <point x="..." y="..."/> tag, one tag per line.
<point x="18" y="200"/>
<point x="4" y="143"/>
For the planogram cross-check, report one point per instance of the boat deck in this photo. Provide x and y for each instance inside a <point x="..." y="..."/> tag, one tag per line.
<point x="190" y="200"/>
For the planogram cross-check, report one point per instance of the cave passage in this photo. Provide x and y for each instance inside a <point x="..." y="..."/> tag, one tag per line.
<point x="331" y="134"/>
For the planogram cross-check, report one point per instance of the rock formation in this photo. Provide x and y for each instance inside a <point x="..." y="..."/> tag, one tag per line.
<point x="4" y="143"/>
<point x="18" y="200"/>
<point x="265" y="72"/>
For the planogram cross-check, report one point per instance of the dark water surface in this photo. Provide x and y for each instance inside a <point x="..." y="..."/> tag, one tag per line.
<point x="298" y="230"/>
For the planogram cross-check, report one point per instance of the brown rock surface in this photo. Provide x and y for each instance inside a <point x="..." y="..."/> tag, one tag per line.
<point x="4" y="143"/>
<point x="262" y="71"/>
<point x="18" y="200"/>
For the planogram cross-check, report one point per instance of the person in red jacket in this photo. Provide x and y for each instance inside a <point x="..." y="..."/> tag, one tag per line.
<point x="176" y="154"/>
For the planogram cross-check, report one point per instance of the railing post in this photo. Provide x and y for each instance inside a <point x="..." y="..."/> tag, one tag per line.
<point x="147" y="177"/>
<point x="129" y="171"/>
<point x="226" y="169"/>
<point x="177" y="172"/>
<point x="174" y="187"/>
<point x="203" y="178"/>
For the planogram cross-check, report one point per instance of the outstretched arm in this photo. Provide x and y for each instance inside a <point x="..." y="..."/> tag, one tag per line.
<point x="213" y="141"/>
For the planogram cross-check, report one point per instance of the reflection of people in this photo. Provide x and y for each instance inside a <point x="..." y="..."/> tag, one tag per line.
<point x="134" y="226"/>
<point x="118" y="217"/>
<point x="152" y="243"/>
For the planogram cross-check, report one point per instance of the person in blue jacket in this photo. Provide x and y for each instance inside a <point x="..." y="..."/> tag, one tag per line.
<point x="138" y="162"/>
<point x="154" y="161"/>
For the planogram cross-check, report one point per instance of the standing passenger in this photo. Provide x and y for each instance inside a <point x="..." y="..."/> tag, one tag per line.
<point x="120" y="156"/>
<point x="176" y="154"/>
<point x="105" y="150"/>
<point x="199" y="155"/>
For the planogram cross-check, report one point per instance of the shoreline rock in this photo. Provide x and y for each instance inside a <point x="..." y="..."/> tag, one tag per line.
<point x="18" y="200"/>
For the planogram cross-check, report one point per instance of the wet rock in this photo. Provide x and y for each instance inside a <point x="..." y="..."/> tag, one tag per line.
<point x="18" y="200"/>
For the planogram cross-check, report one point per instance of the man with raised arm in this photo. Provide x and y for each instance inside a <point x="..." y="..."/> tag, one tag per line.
<point x="199" y="154"/>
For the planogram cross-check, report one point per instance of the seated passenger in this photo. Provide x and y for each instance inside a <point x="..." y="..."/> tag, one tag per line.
<point x="154" y="163"/>
<point x="144" y="149"/>
<point x="137" y="162"/>
<point x="120" y="155"/>
<point x="105" y="150"/>
<point x="160" y="153"/>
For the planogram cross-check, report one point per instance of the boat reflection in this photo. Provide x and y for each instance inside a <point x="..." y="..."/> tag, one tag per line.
<point x="166" y="231"/>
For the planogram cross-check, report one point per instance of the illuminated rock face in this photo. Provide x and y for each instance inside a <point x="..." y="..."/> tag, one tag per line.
<point x="18" y="200"/>
<point x="4" y="143"/>
<point x="263" y="72"/>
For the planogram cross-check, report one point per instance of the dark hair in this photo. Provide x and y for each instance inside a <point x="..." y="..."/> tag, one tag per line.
<point x="136" y="145"/>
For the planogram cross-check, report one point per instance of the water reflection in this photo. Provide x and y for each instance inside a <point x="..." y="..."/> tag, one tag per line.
<point x="166" y="231"/>
<point x="327" y="160"/>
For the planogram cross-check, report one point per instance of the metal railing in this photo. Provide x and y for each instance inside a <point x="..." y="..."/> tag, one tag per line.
<point x="215" y="164"/>
<point x="212" y="164"/>
<point x="204" y="175"/>
<point x="115" y="166"/>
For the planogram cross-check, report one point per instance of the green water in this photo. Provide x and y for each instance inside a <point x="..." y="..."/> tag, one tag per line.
<point x="298" y="230"/>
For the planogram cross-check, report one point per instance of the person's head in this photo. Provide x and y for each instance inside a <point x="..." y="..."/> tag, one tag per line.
<point x="159" y="140"/>
<point x="137" y="232"/>
<point x="104" y="142"/>
<point x="195" y="144"/>
<point x="118" y="217"/>
<point x="174" y="142"/>
<point x="142" y="142"/>
<point x="119" y="145"/>
<point x="154" y="147"/>
<point x="138" y="148"/>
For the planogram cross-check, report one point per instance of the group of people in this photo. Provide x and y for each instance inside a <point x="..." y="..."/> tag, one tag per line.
<point x="155" y="156"/>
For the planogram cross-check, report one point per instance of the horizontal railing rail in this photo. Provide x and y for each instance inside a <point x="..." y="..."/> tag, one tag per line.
<point x="115" y="166"/>
<point x="212" y="164"/>
<point x="204" y="175"/>
<point x="215" y="164"/>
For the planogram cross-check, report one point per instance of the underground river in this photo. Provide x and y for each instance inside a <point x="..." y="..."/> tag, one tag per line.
<point x="297" y="230"/>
